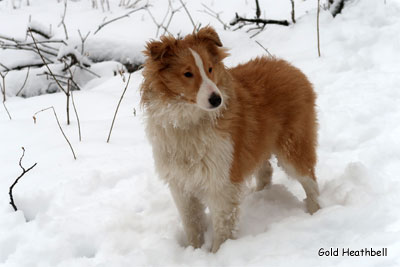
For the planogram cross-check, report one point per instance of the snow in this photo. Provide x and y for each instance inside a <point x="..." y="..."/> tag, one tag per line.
<point x="108" y="208"/>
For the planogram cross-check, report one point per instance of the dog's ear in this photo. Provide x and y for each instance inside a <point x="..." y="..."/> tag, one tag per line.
<point x="209" y="34"/>
<point x="157" y="50"/>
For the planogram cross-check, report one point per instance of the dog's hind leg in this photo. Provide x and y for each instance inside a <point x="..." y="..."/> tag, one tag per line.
<point x="263" y="175"/>
<point x="192" y="214"/>
<point x="297" y="156"/>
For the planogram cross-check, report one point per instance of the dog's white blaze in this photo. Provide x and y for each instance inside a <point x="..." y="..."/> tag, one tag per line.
<point x="207" y="86"/>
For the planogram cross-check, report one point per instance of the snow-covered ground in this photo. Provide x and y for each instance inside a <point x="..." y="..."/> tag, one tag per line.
<point x="108" y="208"/>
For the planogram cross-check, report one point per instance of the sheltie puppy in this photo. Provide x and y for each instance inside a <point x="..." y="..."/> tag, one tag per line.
<point x="211" y="127"/>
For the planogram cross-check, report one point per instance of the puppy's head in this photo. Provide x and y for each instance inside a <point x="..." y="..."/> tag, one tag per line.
<point x="188" y="69"/>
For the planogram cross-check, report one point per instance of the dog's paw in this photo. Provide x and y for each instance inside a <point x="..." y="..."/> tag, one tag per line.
<point x="312" y="205"/>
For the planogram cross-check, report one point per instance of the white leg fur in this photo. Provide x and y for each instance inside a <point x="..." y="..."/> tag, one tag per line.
<point x="312" y="193"/>
<point x="192" y="214"/>
<point x="309" y="185"/>
<point x="224" y="207"/>
<point x="263" y="175"/>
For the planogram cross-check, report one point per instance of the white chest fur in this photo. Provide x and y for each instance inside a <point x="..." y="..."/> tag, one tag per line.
<point x="196" y="158"/>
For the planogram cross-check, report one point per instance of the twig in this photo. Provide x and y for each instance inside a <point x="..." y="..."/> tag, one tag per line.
<point x="266" y="50"/>
<point x="116" y="110"/>
<point x="3" y="86"/>
<point x="120" y="17"/>
<point x="214" y="14"/>
<point x="260" y="29"/>
<point x="62" y="22"/>
<point x="187" y="12"/>
<point x="3" y="90"/>
<point x="319" y="50"/>
<point x="8" y="113"/>
<point x="293" y="14"/>
<point x="77" y="117"/>
<point x="20" y="67"/>
<point x="83" y="40"/>
<point x="258" y="11"/>
<point x="4" y="66"/>
<point x="37" y="31"/>
<point x="38" y="42"/>
<point x="59" y="126"/>
<point x="68" y="95"/>
<point x="51" y="73"/>
<point x="28" y="48"/>
<point x="62" y="79"/>
<point x="23" y="85"/>
<point x="24" y="171"/>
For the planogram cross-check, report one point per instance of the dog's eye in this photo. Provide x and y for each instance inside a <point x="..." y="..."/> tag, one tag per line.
<point x="188" y="74"/>
<point x="210" y="70"/>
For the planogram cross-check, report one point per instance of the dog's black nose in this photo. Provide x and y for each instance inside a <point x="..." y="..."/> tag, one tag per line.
<point x="215" y="100"/>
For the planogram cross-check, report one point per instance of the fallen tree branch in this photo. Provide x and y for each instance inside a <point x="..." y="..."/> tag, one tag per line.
<point x="116" y="110"/>
<point x="41" y="33"/>
<point x="59" y="126"/>
<point x="239" y="19"/>
<point x="20" y="67"/>
<point x="24" y="171"/>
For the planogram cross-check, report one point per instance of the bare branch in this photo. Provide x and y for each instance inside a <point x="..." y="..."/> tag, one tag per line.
<point x="8" y="113"/>
<point x="266" y="50"/>
<point x="3" y="90"/>
<point x="190" y="17"/>
<point x="59" y="126"/>
<point x="214" y="14"/>
<point x="120" y="17"/>
<point x="24" y="171"/>
<point x="319" y="50"/>
<point x="3" y="86"/>
<point x="62" y="22"/>
<point x="258" y="11"/>
<point x="262" y="21"/>
<point x="68" y="95"/>
<point x="20" y="67"/>
<point x="77" y="117"/>
<point x="4" y="66"/>
<point x="54" y="77"/>
<point x="83" y="40"/>
<point x="116" y="110"/>
<point x="41" y="33"/>
<point x="23" y="85"/>
<point x="293" y="14"/>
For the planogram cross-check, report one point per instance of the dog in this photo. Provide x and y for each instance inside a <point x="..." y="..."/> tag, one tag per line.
<point x="211" y="127"/>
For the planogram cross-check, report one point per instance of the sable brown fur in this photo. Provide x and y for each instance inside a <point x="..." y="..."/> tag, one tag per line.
<point x="205" y="150"/>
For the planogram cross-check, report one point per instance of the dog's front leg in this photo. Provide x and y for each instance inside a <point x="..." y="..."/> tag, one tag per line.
<point x="192" y="214"/>
<point x="224" y="208"/>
